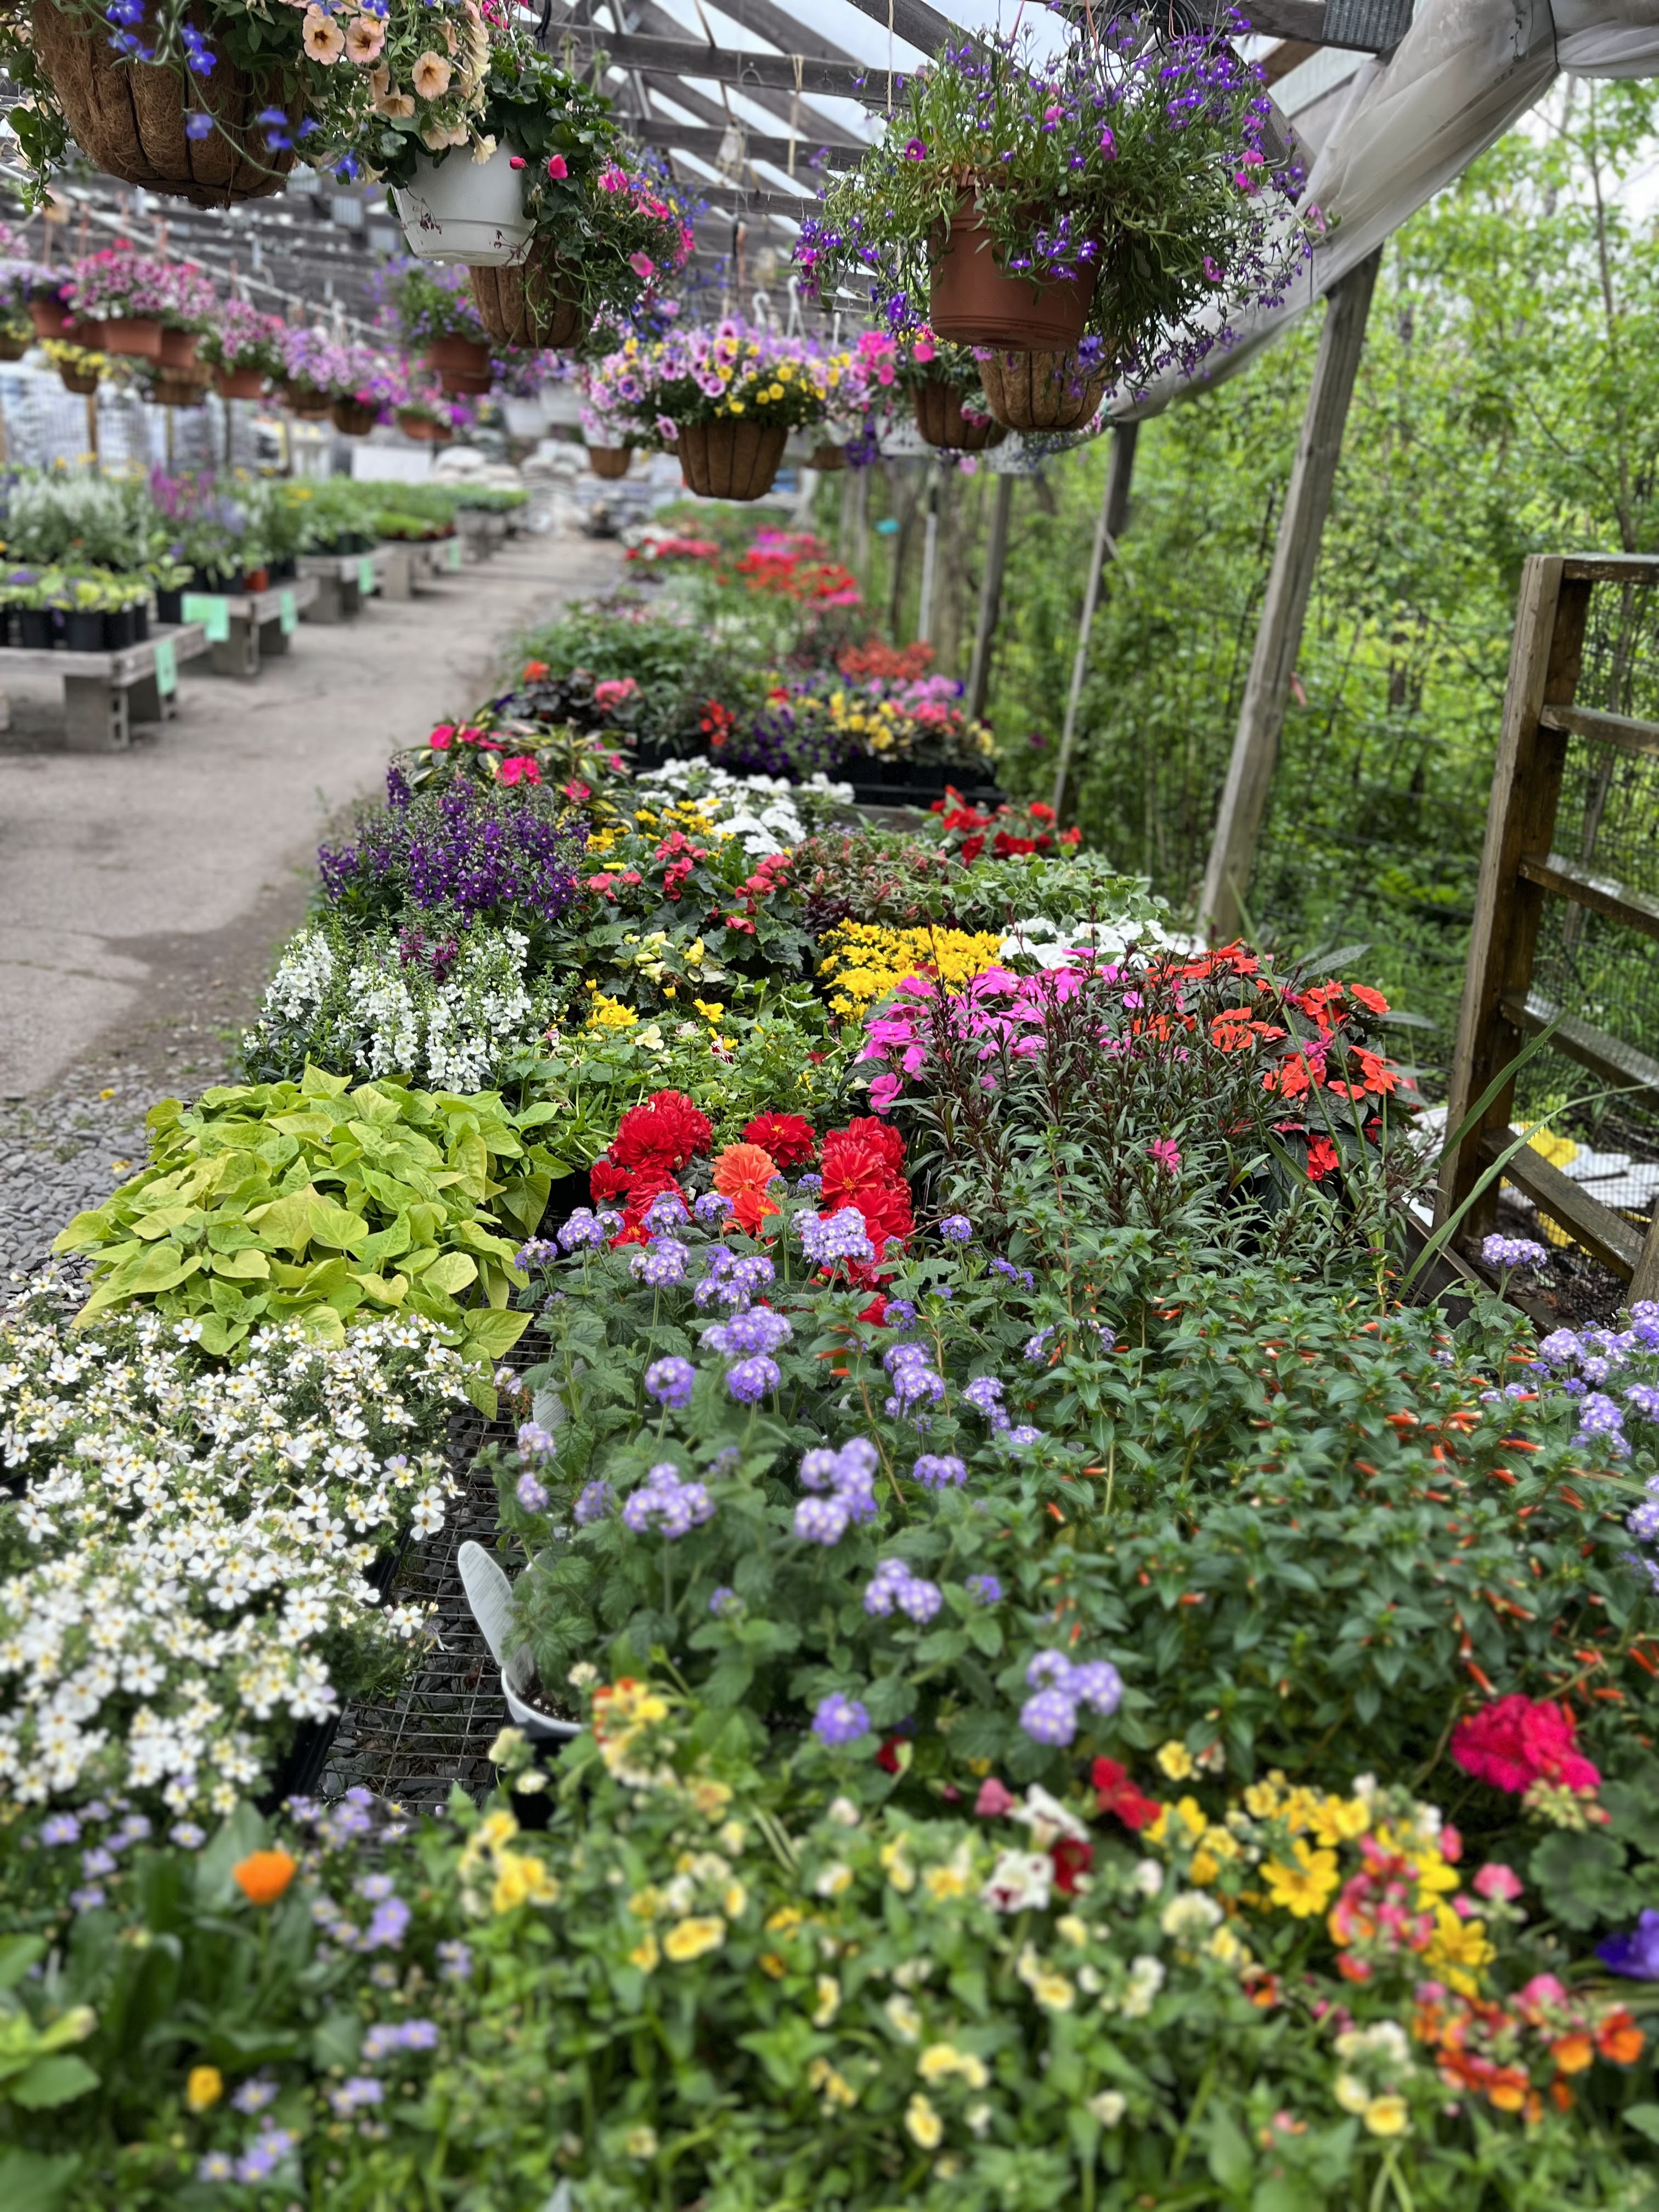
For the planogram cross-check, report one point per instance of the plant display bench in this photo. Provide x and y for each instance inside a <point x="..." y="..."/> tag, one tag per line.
<point x="246" y="629"/>
<point x="343" y="581"/>
<point x="483" y="533"/>
<point x="106" y="694"/>
<point x="412" y="563"/>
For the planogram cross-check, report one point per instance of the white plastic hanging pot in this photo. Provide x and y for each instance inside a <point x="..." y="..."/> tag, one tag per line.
<point x="460" y="210"/>
<point x="490" y="1594"/>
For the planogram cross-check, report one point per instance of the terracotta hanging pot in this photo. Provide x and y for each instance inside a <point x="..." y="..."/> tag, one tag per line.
<point x="730" y="460"/>
<point x="941" y="420"/>
<point x="610" y="460"/>
<point x="138" y="337"/>
<point x="178" y="348"/>
<point x="240" y="383"/>
<point x="176" y="387"/>
<point x="306" y="401"/>
<point x="974" y="302"/>
<point x="355" y="418"/>
<point x="128" y="118"/>
<point x="827" y="459"/>
<point x="77" y="380"/>
<point x="463" y="366"/>
<point x="1043" y="391"/>
<point x="420" y="427"/>
<point x="523" y="304"/>
<point x="90" y="335"/>
<point x="49" y="315"/>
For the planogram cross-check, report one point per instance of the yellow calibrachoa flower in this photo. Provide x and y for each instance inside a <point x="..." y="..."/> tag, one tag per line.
<point x="821" y="2076"/>
<point x="204" y="2086"/>
<point x="1387" y="2115"/>
<point x="521" y="1879"/>
<point x="941" y="2060"/>
<point x="923" y="2124"/>
<point x="785" y="1920"/>
<point x="829" y="2001"/>
<point x="1174" y="1760"/>
<point x="866" y="960"/>
<point x="1306" y="1886"/>
<point x="690" y="1939"/>
<point x="644" y="1954"/>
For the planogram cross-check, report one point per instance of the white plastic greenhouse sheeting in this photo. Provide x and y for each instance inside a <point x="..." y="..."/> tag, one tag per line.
<point x="1462" y="75"/>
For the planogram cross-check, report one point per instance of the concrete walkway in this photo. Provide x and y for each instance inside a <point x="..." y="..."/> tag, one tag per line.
<point x="142" y="894"/>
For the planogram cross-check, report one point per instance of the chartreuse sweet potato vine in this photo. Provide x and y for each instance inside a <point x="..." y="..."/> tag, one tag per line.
<point x="325" y="1202"/>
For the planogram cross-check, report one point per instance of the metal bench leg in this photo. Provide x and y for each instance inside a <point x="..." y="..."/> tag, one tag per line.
<point x="95" y="717"/>
<point x="238" y="654"/>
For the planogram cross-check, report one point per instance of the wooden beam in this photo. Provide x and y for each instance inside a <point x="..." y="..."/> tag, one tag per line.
<point x="990" y="597"/>
<point x="1610" y="567"/>
<point x="1114" y="511"/>
<point x="1288" y="54"/>
<point x="706" y="139"/>
<point x="1279" y="637"/>
<point x="1553" y="872"/>
<point x="1616" y="1062"/>
<point x="739" y="66"/>
<point x="1604" y="1234"/>
<point x="1621" y="730"/>
<point x="1544" y="663"/>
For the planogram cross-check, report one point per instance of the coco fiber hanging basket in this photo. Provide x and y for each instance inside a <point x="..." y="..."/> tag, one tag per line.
<point x="730" y="460"/>
<point x="523" y="304"/>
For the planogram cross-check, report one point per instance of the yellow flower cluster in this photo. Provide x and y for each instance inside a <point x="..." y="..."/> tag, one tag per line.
<point x="520" y="1877"/>
<point x="866" y="960"/>
<point x="604" y="1013"/>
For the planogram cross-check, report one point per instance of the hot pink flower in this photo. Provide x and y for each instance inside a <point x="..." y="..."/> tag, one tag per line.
<point x="521" y="768"/>
<point x="614" y="691"/>
<point x="1519" y="1740"/>
<point x="442" y="737"/>
<point x="556" y="167"/>
<point x="1165" y="1152"/>
<point x="993" y="1799"/>
<point x="882" y="1092"/>
<point x="642" y="266"/>
<point x="1496" y="1881"/>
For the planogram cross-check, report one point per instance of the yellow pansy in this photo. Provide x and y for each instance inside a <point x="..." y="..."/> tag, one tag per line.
<point x="1176" y="1760"/>
<point x="1387" y="2115"/>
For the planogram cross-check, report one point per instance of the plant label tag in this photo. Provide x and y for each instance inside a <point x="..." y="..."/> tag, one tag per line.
<point x="366" y="574"/>
<point x="212" y="612"/>
<point x="454" y="553"/>
<point x="287" y="614"/>
<point x="167" y="667"/>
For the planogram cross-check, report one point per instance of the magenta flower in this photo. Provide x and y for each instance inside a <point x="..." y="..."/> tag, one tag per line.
<point x="556" y="167"/>
<point x="642" y="266"/>
<point x="1108" y="145"/>
<point x="915" y="151"/>
<point x="1165" y="1153"/>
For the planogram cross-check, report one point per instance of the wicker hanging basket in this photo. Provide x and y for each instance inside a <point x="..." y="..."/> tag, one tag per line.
<point x="610" y="460"/>
<point x="128" y="118"/>
<point x="306" y="401"/>
<point x="14" y="345"/>
<point x="525" y="305"/>
<point x="941" y="420"/>
<point x="355" y="418"/>
<point x="730" y="460"/>
<point x="80" y="381"/>
<point x="1041" y="391"/>
<point x="177" y="387"/>
<point x="827" y="459"/>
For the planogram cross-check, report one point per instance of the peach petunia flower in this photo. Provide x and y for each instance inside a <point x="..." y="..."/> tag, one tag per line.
<point x="431" y="76"/>
<point x="741" y="1175"/>
<point x="365" y="37"/>
<point x="325" y="42"/>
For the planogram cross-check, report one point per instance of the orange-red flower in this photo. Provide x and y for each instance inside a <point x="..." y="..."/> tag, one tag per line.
<point x="263" y="1875"/>
<point x="741" y="1175"/>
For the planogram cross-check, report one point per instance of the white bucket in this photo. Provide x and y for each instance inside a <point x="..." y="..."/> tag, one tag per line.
<point x="490" y="1594"/>
<point x="463" y="210"/>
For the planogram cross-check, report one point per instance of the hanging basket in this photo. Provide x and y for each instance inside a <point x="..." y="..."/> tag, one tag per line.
<point x="128" y="118"/>
<point x="177" y="387"/>
<point x="82" y="380"/>
<point x="14" y="345"/>
<point x="240" y="383"/>
<point x="941" y="420"/>
<point x="49" y="315"/>
<point x="462" y="367"/>
<point x="306" y="401"/>
<point x="610" y="460"/>
<point x="827" y="459"/>
<point x="974" y="302"/>
<point x="178" y="348"/>
<point x="1041" y="391"/>
<point x="422" y="428"/>
<point x="461" y="210"/>
<point x="730" y="460"/>
<point x="135" y="337"/>
<point x="523" y="304"/>
<point x="355" y="418"/>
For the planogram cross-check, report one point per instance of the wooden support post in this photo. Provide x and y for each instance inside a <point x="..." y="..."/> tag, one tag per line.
<point x="1114" y="512"/>
<point x="929" y="564"/>
<point x="990" y="597"/>
<point x="1279" y="638"/>
<point x="1544" y="662"/>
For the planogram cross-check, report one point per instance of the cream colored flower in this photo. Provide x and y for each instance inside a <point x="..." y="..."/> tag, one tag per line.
<point x="923" y="2124"/>
<point x="1350" y="2093"/>
<point x="1107" y="2107"/>
<point x="325" y="42"/>
<point x="903" y="2018"/>
<point x="689" y="1939"/>
<point x="431" y="76"/>
<point x="644" y="1954"/>
<point x="398" y="107"/>
<point x="482" y="149"/>
<point x="364" y="38"/>
<point x="829" y="2003"/>
<point x="641" y="2142"/>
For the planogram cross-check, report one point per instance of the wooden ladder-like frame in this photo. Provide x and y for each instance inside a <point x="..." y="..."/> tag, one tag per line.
<point x="1520" y="868"/>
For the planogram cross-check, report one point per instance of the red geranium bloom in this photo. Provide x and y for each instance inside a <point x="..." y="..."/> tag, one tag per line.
<point x="1116" y="1793"/>
<point x="1519" y="1740"/>
<point x="666" y="1132"/>
<point x="789" y="1138"/>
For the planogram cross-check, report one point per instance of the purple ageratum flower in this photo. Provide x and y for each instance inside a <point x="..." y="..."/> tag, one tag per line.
<point x="1600" y="1416"/>
<point x="758" y="1328"/>
<point x="1021" y="1275"/>
<point x="665" y="1501"/>
<point x="1645" y="1398"/>
<point x="934" y="1470"/>
<point x="670" y="1381"/>
<point x="986" y="1587"/>
<point x="530" y="1493"/>
<point x="534" y="1442"/>
<point x="955" y="1229"/>
<point x="811" y="1184"/>
<point x="1513" y="1252"/>
<point x="1634" y="1955"/>
<point x="1036" y="1347"/>
<point x="1023" y="1438"/>
<point x="532" y="1254"/>
<point x="661" y="1264"/>
<point x="595" y="1503"/>
<point x="1048" y="1670"/>
<point x="750" y="1379"/>
<point x="829" y="1238"/>
<point x="667" y="1211"/>
<point x="581" y="1229"/>
<point x="821" y="1519"/>
<point x="893" y="1587"/>
<point x="984" y="1394"/>
<point x="1559" y="1348"/>
<point x="1097" y="1683"/>
<point x="840" y="1720"/>
<point x="900" y="1315"/>
<point x="710" y="1207"/>
<point x="1049" y="1717"/>
<point x="725" y="1601"/>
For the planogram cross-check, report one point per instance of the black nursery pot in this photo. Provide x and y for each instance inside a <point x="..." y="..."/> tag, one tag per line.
<point x="35" y="629"/>
<point x="169" y="606"/>
<point x="84" y="633"/>
<point x="118" y="629"/>
<point x="140" y="615"/>
<point x="285" y="570"/>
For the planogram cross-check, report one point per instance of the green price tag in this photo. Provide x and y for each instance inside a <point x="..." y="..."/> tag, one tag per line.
<point x="167" y="667"/>
<point x="212" y="611"/>
<point x="454" y="553"/>
<point x="287" y="613"/>
<point x="366" y="574"/>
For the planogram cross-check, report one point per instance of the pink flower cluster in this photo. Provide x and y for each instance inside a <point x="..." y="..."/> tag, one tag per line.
<point x="119" y="281"/>
<point x="1519" y="1741"/>
<point x="993" y="1009"/>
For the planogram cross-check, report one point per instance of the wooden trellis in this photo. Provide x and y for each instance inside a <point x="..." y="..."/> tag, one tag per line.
<point x="1521" y="870"/>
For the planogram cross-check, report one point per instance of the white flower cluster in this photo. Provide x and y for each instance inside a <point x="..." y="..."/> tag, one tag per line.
<point x="1055" y="944"/>
<point x="766" y="812"/>
<point x="186" y="1545"/>
<point x="382" y="1016"/>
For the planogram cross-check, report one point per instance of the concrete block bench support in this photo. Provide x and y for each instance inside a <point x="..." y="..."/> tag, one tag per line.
<point x="108" y="695"/>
